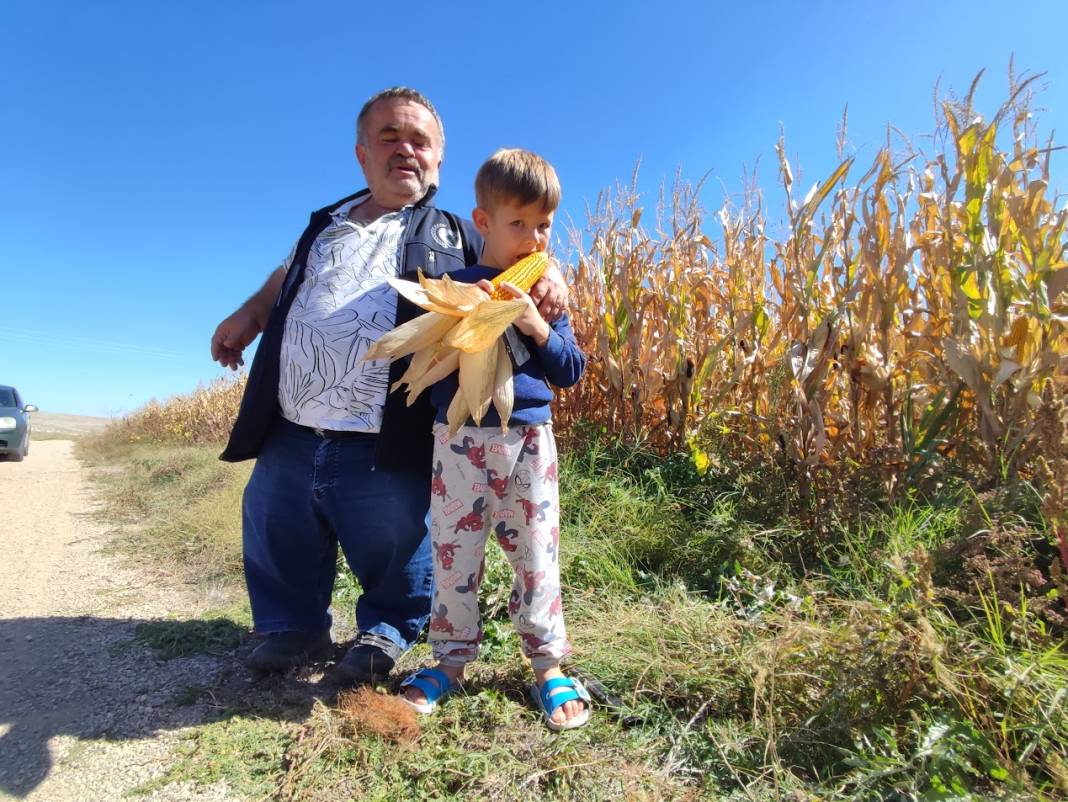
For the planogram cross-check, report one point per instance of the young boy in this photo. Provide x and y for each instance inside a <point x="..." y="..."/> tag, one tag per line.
<point x="485" y="480"/>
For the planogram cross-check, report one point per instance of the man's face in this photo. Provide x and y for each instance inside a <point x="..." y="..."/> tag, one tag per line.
<point x="512" y="231"/>
<point x="402" y="152"/>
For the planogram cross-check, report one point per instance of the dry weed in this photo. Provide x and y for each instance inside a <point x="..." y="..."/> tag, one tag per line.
<point x="364" y="711"/>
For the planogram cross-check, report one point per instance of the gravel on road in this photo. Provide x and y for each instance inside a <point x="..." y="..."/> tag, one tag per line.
<point x="86" y="713"/>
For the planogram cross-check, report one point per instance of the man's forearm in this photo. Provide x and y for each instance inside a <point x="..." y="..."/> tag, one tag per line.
<point x="260" y="304"/>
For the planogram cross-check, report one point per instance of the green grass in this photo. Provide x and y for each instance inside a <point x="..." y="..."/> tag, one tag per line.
<point x="170" y="639"/>
<point x="183" y="504"/>
<point x="750" y="656"/>
<point x="246" y="753"/>
<point x="488" y="745"/>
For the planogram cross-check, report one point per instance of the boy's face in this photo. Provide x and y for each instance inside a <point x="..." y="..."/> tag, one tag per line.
<point x="512" y="231"/>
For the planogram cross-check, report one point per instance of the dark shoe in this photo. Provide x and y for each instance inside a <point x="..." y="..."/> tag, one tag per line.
<point x="370" y="659"/>
<point x="281" y="651"/>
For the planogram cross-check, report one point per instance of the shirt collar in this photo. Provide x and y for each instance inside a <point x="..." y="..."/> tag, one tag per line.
<point x="341" y="213"/>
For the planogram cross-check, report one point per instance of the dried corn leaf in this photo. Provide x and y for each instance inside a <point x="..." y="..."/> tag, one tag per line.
<point x="1008" y="367"/>
<point x="457" y="413"/>
<point x="481" y="329"/>
<point x="504" y="387"/>
<point x="445" y="361"/>
<point x="418" y="296"/>
<point x="416" y="334"/>
<point x="452" y="294"/>
<point x="1056" y="282"/>
<point x="477" y="373"/>
<point x="964" y="363"/>
<point x="417" y="366"/>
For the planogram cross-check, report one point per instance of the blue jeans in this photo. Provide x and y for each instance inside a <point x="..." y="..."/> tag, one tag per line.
<point x="306" y="496"/>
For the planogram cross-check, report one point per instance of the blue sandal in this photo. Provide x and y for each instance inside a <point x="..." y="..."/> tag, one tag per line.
<point x="566" y="689"/>
<point x="435" y="686"/>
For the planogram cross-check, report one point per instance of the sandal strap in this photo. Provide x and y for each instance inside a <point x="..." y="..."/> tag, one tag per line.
<point x="433" y="683"/>
<point x="572" y="689"/>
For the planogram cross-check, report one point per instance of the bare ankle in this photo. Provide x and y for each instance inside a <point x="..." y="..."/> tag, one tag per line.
<point x="454" y="673"/>
<point x="542" y="674"/>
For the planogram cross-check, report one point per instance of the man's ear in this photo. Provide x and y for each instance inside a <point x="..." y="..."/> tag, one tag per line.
<point x="481" y="220"/>
<point x="361" y="154"/>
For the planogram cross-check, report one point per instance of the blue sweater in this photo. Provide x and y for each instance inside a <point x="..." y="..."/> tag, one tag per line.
<point x="559" y="362"/>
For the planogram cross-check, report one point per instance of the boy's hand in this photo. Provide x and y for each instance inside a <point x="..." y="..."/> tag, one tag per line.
<point x="530" y="322"/>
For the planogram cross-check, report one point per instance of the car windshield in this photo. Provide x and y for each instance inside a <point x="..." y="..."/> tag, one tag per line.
<point x="7" y="397"/>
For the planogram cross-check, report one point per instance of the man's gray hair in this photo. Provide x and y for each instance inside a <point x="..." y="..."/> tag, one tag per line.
<point x="398" y="93"/>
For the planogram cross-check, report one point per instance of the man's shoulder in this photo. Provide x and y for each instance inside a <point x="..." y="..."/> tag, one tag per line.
<point x="446" y="232"/>
<point x="434" y="214"/>
<point x="430" y="227"/>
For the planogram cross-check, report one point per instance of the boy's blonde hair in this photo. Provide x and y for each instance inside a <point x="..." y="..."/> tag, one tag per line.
<point x="519" y="176"/>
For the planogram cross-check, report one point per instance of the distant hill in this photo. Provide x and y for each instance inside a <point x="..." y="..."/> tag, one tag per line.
<point x="58" y="423"/>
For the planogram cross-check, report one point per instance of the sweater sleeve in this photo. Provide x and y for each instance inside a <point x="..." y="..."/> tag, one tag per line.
<point x="560" y="357"/>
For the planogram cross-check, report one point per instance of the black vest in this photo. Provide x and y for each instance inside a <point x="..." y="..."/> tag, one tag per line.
<point x="434" y="241"/>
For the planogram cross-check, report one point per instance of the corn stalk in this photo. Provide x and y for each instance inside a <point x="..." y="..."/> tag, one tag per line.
<point x="932" y="277"/>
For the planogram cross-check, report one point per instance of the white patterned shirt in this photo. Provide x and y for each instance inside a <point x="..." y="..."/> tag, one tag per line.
<point x="343" y="305"/>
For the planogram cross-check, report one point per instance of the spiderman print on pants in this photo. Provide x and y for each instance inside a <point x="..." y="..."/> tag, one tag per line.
<point x="504" y="484"/>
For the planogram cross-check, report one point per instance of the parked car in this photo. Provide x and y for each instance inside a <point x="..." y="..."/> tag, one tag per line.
<point x="14" y="424"/>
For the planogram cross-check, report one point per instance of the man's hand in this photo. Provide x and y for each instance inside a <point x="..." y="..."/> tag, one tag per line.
<point x="232" y="335"/>
<point x="550" y="293"/>
<point x="237" y="331"/>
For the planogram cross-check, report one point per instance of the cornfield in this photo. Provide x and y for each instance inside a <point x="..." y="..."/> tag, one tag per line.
<point x="203" y="416"/>
<point x="914" y="312"/>
<point x="905" y="323"/>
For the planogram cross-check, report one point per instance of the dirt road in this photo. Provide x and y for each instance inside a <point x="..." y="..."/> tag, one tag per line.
<point x="86" y="713"/>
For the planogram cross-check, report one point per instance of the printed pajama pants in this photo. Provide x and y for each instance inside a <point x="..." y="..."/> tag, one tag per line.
<point x="483" y="482"/>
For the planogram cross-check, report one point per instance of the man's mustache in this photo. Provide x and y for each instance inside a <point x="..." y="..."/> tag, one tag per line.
<point x="409" y="163"/>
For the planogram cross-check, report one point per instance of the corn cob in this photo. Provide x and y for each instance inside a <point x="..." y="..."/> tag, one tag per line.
<point x="524" y="274"/>
<point x="461" y="330"/>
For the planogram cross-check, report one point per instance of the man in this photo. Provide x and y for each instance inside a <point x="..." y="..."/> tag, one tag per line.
<point x="340" y="460"/>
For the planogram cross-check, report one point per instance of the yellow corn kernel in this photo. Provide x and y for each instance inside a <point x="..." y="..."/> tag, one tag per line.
<point x="524" y="274"/>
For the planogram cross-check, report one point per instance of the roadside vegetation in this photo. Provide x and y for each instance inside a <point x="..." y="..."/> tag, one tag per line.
<point x="814" y="497"/>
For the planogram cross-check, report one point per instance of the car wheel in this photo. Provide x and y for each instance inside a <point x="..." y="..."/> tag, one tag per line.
<point x="19" y="454"/>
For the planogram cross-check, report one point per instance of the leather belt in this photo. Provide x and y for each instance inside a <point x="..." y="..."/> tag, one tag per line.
<point x="335" y="434"/>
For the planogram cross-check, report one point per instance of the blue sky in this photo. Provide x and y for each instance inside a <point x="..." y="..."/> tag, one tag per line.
<point x="157" y="160"/>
